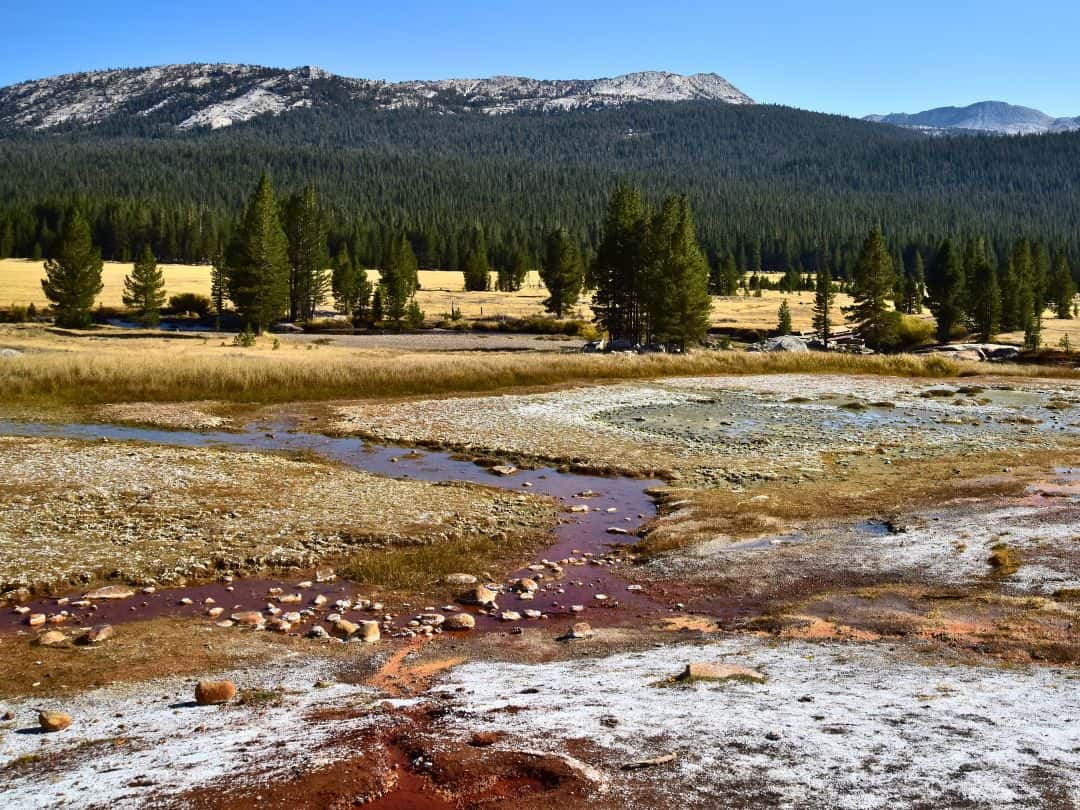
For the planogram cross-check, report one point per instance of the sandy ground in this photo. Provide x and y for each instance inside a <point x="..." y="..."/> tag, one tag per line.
<point x="76" y="511"/>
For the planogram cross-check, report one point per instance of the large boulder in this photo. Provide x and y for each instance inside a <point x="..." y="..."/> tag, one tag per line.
<point x="785" y="343"/>
<point x="208" y="693"/>
<point x="708" y="671"/>
<point x="53" y="721"/>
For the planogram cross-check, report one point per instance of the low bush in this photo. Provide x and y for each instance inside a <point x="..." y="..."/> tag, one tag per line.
<point x="189" y="302"/>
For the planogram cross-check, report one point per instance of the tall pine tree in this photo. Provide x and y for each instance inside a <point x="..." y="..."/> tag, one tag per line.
<point x="309" y="281"/>
<point x="73" y="276"/>
<point x="257" y="262"/>
<point x="871" y="289"/>
<point x="946" y="290"/>
<point x="824" y="295"/>
<point x="561" y="271"/>
<point x="144" y="289"/>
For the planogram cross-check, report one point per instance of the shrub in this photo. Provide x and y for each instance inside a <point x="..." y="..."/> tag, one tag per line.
<point x="190" y="302"/>
<point x="245" y="339"/>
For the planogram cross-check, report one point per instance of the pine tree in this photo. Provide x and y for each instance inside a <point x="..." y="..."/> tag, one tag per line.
<point x="729" y="277"/>
<point x="1061" y="289"/>
<point x="7" y="240"/>
<point x="73" y="276"/>
<point x="871" y="290"/>
<point x="218" y="289"/>
<point x="476" y="268"/>
<point x="519" y="271"/>
<point x="561" y="271"/>
<point x="783" y="319"/>
<point x="377" y="305"/>
<point x="678" y="299"/>
<point x="945" y="290"/>
<point x="824" y="295"/>
<point x="309" y="281"/>
<point x="343" y="281"/>
<point x="985" y="297"/>
<point x="398" y="279"/>
<point x="619" y="271"/>
<point x="144" y="289"/>
<point x="257" y="263"/>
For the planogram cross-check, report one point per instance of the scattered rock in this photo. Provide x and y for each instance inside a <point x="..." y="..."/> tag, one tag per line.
<point x="35" y="619"/>
<point x="479" y="595"/>
<point x="461" y="580"/>
<point x="369" y="632"/>
<point x="251" y="618"/>
<point x="110" y="592"/>
<point x="577" y="630"/>
<point x="343" y="628"/>
<point x="504" y="469"/>
<point x="708" y="671"/>
<point x="97" y="635"/>
<point x="53" y="721"/>
<point x="510" y="616"/>
<point x="208" y="693"/>
<point x="524" y="585"/>
<point x="482" y="739"/>
<point x="648" y="763"/>
<point x="460" y="621"/>
<point x="51" y="638"/>
<point x="325" y="575"/>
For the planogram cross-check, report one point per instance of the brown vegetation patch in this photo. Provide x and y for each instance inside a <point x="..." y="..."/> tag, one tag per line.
<point x="139" y="651"/>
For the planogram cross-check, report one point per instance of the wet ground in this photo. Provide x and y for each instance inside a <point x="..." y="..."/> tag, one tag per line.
<point x="923" y="657"/>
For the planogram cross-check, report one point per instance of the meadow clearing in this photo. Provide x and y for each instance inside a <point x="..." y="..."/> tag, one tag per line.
<point x="443" y="291"/>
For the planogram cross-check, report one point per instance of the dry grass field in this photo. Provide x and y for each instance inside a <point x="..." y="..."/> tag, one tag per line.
<point x="20" y="282"/>
<point x="442" y="290"/>
<point x="118" y="366"/>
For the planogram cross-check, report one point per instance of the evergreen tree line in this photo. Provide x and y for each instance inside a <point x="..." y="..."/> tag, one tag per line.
<point x="772" y="188"/>
<point x="967" y="289"/>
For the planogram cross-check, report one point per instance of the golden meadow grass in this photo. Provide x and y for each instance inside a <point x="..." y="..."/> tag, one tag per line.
<point x="76" y="371"/>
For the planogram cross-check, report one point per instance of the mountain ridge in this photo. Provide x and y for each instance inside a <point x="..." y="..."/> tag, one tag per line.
<point x="215" y="95"/>
<point x="996" y="117"/>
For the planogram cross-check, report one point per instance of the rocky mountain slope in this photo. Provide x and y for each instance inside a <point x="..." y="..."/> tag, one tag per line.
<point x="213" y="96"/>
<point x="985" y="116"/>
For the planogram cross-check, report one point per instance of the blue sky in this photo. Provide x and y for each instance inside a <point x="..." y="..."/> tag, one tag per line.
<point x="841" y="56"/>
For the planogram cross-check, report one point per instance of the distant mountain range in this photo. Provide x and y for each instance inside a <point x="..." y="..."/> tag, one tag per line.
<point x="984" y="116"/>
<point x="213" y="96"/>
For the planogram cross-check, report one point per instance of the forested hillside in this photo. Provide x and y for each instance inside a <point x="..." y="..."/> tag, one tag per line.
<point x="771" y="186"/>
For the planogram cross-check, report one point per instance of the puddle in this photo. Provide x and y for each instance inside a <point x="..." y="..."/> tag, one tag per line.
<point x="582" y="532"/>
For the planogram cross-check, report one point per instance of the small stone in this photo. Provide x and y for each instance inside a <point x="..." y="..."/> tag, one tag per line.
<point x="460" y="621"/>
<point x="707" y="671"/>
<point x="524" y="585"/>
<point x="185" y="601"/>
<point x="510" y="616"/>
<point x="460" y="580"/>
<point x="369" y="632"/>
<point x="251" y="618"/>
<point x="479" y="595"/>
<point x="325" y="575"/>
<point x="504" y="469"/>
<point x="214" y="612"/>
<point x="483" y="739"/>
<point x="319" y="600"/>
<point x="208" y="693"/>
<point x="290" y="599"/>
<point x="110" y="592"/>
<point x="53" y="721"/>
<point x="576" y="631"/>
<point x="343" y="628"/>
<point x="98" y="634"/>
<point x="51" y="638"/>
<point x="36" y="619"/>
